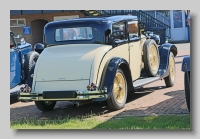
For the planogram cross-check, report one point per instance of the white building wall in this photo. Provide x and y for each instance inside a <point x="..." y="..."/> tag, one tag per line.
<point x="177" y="34"/>
<point x="178" y="31"/>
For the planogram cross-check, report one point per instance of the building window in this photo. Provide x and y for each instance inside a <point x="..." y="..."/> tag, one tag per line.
<point x="177" y="15"/>
<point x="17" y="22"/>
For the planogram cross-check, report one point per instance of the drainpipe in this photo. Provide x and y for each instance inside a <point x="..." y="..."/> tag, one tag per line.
<point x="189" y="33"/>
<point x="155" y="15"/>
<point x="188" y="23"/>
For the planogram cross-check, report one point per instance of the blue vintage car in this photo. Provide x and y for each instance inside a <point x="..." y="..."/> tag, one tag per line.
<point x="186" y="68"/>
<point x="21" y="60"/>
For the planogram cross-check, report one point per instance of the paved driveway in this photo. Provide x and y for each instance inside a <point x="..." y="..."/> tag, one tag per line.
<point x="154" y="98"/>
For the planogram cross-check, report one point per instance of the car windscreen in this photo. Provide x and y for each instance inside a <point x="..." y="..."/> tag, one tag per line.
<point x="76" y="33"/>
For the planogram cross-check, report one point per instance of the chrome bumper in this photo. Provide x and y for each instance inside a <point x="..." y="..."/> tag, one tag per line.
<point x="61" y="95"/>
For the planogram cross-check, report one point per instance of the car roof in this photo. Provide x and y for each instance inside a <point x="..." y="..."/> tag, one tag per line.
<point x="100" y="23"/>
<point x="116" y="18"/>
<point x="110" y="18"/>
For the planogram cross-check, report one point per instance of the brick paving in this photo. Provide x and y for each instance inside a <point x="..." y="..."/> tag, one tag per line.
<point x="152" y="99"/>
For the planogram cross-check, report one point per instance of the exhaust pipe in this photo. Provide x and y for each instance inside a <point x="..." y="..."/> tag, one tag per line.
<point x="76" y="104"/>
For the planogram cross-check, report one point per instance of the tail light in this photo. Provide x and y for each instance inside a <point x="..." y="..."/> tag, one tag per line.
<point x="95" y="87"/>
<point x="28" y="89"/>
<point x="22" y="89"/>
<point x="88" y="88"/>
<point x="92" y="87"/>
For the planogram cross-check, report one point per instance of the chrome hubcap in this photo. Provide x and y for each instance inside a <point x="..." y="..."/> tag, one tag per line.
<point x="119" y="87"/>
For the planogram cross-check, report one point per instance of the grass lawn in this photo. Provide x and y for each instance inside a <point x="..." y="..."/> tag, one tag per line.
<point x="170" y="122"/>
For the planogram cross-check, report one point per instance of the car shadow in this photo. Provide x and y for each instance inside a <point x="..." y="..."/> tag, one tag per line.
<point x="65" y="109"/>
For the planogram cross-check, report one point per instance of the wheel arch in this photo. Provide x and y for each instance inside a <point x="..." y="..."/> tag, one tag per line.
<point x="109" y="72"/>
<point x="164" y="51"/>
<point x="186" y="62"/>
<point x="168" y="47"/>
<point x="174" y="50"/>
<point x="125" y="68"/>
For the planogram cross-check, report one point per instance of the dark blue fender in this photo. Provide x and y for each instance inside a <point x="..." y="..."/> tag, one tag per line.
<point x="164" y="51"/>
<point x="29" y="81"/>
<point x="186" y="64"/>
<point x="109" y="73"/>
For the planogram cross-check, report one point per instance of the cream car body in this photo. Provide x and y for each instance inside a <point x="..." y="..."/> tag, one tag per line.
<point x="76" y="69"/>
<point x="68" y="67"/>
<point x="98" y="59"/>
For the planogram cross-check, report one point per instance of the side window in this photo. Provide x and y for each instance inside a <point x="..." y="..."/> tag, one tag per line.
<point x="119" y="31"/>
<point x="133" y="30"/>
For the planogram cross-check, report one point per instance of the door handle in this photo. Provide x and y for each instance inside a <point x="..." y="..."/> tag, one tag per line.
<point x="131" y="45"/>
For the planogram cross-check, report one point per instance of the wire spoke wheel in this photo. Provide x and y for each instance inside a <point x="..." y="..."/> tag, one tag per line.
<point x="172" y="68"/>
<point x="170" y="79"/>
<point x="119" y="88"/>
<point x="153" y="56"/>
<point x="118" y="95"/>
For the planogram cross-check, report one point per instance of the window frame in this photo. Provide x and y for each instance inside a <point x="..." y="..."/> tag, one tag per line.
<point x="176" y="21"/>
<point x="135" y="38"/>
<point x="18" y="25"/>
<point x="61" y="32"/>
<point x="125" y="33"/>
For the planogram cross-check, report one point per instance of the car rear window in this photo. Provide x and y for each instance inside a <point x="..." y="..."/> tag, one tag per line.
<point x="76" y="33"/>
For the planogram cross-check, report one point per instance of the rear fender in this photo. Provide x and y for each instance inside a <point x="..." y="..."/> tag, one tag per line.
<point x="109" y="73"/>
<point x="186" y="64"/>
<point x="164" y="51"/>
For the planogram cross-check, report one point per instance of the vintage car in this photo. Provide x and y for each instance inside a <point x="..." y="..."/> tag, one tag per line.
<point x="152" y="35"/>
<point x="98" y="59"/>
<point x="186" y="69"/>
<point x="22" y="58"/>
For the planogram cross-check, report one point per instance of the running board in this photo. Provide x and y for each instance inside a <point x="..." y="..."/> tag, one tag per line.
<point x="144" y="81"/>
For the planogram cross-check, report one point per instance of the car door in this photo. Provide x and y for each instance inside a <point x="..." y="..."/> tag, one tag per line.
<point x="15" y="67"/>
<point x="135" y="49"/>
<point x="121" y="39"/>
